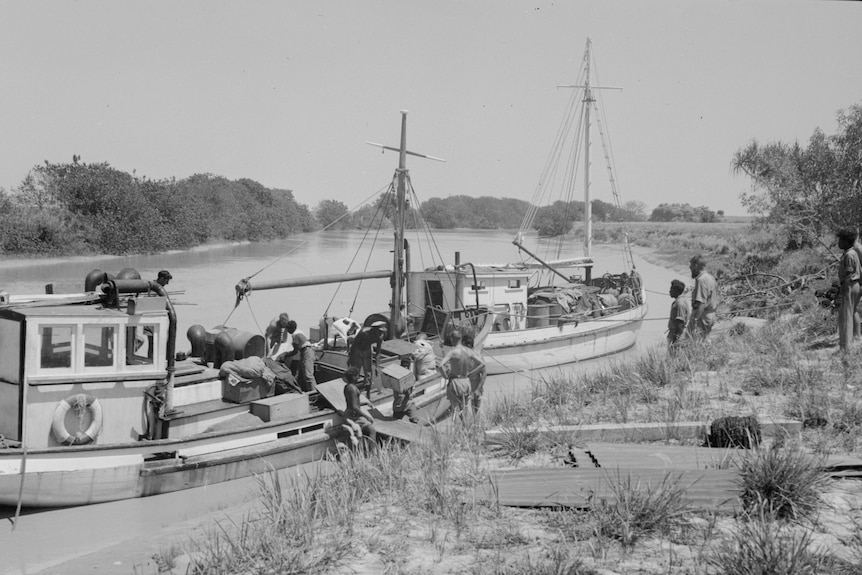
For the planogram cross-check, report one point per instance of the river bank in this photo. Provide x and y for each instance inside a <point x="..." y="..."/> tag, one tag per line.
<point x="416" y="511"/>
<point x="748" y="370"/>
<point x="124" y="537"/>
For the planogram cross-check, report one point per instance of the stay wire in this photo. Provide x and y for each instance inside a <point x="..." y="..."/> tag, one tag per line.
<point x="377" y="212"/>
<point x="305" y="242"/>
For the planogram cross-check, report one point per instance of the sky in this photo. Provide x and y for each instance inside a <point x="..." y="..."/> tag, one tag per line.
<point x="287" y="93"/>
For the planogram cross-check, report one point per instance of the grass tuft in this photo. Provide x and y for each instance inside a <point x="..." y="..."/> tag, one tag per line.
<point x="762" y="546"/>
<point x="782" y="482"/>
<point x="636" y="510"/>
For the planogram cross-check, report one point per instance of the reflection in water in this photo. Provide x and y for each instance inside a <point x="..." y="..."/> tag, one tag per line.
<point x="203" y="282"/>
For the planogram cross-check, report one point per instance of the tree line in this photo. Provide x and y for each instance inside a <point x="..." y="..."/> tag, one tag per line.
<point x="507" y="213"/>
<point x="80" y="208"/>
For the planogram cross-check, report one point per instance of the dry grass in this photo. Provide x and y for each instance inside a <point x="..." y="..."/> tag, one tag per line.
<point x="411" y="510"/>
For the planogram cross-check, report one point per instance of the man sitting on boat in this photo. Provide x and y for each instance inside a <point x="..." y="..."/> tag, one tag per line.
<point x="464" y="371"/>
<point x="358" y="421"/>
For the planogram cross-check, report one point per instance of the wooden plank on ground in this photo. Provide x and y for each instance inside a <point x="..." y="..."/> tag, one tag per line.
<point x="714" y="489"/>
<point x="628" y="455"/>
<point x="633" y="432"/>
<point x="613" y="455"/>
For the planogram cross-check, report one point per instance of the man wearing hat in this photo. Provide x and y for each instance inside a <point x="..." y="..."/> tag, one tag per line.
<point x="164" y="278"/>
<point x="680" y="312"/>
<point x="365" y="349"/>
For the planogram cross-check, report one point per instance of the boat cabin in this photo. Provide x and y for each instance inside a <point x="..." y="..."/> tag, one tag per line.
<point x="502" y="291"/>
<point x="51" y="355"/>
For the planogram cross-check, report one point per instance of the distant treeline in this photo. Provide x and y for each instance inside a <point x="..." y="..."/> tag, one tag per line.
<point x="508" y="213"/>
<point x="82" y="208"/>
<point x="79" y="208"/>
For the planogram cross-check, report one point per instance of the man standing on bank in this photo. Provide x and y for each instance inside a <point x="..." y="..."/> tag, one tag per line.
<point x="704" y="299"/>
<point x="680" y="312"/>
<point x="849" y="275"/>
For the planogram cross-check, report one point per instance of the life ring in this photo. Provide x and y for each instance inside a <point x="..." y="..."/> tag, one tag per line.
<point x="58" y="425"/>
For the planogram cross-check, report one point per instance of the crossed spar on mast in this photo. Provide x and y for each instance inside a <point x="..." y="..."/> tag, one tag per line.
<point x="398" y="264"/>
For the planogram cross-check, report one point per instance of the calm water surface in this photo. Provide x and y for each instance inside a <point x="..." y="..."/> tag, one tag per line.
<point x="113" y="537"/>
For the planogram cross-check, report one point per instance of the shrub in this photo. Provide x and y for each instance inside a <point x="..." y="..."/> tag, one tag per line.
<point x="784" y="483"/>
<point x="761" y="546"/>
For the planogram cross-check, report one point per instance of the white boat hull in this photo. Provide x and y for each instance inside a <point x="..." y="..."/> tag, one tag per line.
<point x="82" y="475"/>
<point x="555" y="345"/>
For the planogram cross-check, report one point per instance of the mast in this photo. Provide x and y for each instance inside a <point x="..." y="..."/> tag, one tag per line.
<point x="588" y="208"/>
<point x="402" y="177"/>
<point x="398" y="255"/>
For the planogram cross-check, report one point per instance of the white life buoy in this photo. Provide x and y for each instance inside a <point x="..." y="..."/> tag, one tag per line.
<point x="80" y="401"/>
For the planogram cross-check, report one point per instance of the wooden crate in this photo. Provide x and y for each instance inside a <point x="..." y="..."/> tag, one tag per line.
<point x="397" y="378"/>
<point x="281" y="407"/>
<point x="244" y="391"/>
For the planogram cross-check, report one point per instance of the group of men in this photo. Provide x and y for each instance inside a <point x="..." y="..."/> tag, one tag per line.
<point x="695" y="317"/>
<point x="692" y="317"/>
<point x="285" y="343"/>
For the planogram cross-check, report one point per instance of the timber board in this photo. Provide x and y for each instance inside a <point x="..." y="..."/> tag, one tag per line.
<point x="715" y="489"/>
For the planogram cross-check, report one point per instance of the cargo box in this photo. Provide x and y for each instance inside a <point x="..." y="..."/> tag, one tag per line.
<point x="397" y="378"/>
<point x="281" y="407"/>
<point x="245" y="391"/>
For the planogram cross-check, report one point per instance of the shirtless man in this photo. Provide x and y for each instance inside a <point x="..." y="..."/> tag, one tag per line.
<point x="464" y="371"/>
<point x="276" y="332"/>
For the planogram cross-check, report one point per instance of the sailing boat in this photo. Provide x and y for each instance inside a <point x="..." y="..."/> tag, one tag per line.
<point x="97" y="404"/>
<point x="549" y="312"/>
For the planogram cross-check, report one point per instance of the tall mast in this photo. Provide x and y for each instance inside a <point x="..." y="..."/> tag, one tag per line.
<point x="588" y="210"/>
<point x="398" y="263"/>
<point x="401" y="176"/>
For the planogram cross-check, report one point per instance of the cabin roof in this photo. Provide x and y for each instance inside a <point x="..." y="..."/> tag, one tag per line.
<point x="61" y="311"/>
<point x="483" y="270"/>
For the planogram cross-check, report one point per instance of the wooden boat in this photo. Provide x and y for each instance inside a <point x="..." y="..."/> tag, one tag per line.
<point x="548" y="313"/>
<point x="96" y="403"/>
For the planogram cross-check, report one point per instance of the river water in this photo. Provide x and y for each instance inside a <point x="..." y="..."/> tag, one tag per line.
<point x="118" y="537"/>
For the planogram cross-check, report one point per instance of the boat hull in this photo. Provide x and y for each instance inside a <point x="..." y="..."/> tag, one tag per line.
<point x="70" y="476"/>
<point x="556" y="345"/>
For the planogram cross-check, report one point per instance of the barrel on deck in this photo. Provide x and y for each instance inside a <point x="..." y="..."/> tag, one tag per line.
<point x="537" y="314"/>
<point x="542" y="314"/>
<point x="232" y="344"/>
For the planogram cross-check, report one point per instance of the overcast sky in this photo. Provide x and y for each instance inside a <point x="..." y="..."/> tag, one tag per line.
<point x="287" y="93"/>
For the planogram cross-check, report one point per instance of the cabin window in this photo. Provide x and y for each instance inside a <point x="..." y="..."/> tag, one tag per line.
<point x="99" y="345"/>
<point x="140" y="342"/>
<point x="514" y="284"/>
<point x="56" y="346"/>
<point x="480" y="286"/>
